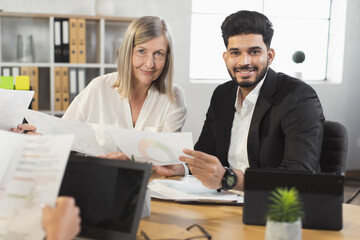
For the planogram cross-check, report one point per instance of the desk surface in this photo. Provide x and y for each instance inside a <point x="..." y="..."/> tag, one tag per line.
<point x="170" y="220"/>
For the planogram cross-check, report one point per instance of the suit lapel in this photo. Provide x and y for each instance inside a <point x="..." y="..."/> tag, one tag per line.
<point x="263" y="104"/>
<point x="229" y="118"/>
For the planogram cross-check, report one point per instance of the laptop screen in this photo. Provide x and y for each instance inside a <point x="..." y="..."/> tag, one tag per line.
<point x="321" y="194"/>
<point x="109" y="193"/>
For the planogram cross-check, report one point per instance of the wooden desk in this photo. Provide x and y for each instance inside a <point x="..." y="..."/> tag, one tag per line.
<point x="170" y="220"/>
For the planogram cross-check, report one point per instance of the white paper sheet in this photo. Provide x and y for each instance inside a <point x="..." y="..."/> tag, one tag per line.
<point x="191" y="189"/>
<point x="91" y="139"/>
<point x="157" y="148"/>
<point x="31" y="171"/>
<point x="11" y="103"/>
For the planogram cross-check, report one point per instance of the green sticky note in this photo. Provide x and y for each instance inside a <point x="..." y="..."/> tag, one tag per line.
<point x="22" y="83"/>
<point x="7" y="82"/>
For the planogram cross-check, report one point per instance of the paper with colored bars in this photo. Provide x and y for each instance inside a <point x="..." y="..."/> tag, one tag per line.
<point x="11" y="103"/>
<point x="31" y="171"/>
<point x="157" y="148"/>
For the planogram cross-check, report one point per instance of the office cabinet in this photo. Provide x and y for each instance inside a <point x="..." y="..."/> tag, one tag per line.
<point x="32" y="43"/>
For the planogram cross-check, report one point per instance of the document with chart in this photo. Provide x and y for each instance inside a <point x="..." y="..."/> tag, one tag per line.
<point x="153" y="147"/>
<point x="11" y="102"/>
<point x="31" y="171"/>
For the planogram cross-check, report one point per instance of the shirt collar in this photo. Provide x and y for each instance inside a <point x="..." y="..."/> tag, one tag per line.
<point x="253" y="95"/>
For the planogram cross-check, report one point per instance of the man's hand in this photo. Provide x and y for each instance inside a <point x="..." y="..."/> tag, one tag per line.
<point x="25" y="128"/>
<point x="205" y="167"/>
<point x="170" y="170"/>
<point x="209" y="170"/>
<point x="63" y="221"/>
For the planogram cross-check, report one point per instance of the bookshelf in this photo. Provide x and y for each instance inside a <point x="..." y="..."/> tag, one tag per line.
<point x="103" y="34"/>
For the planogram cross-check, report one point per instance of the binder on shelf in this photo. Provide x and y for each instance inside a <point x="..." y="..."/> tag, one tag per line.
<point x="72" y="83"/>
<point x="65" y="41"/>
<point x="33" y="74"/>
<point x="25" y="71"/>
<point x="7" y="82"/>
<point x="15" y="71"/>
<point x="57" y="84"/>
<point x="57" y="40"/>
<point x="73" y="48"/>
<point x="65" y="97"/>
<point x="81" y="79"/>
<point x="6" y="72"/>
<point x="22" y="83"/>
<point x="81" y="40"/>
<point x="34" y="83"/>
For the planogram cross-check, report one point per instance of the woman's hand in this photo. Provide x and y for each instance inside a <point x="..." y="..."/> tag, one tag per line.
<point x="63" y="221"/>
<point x="170" y="170"/>
<point x="25" y="128"/>
<point x="115" y="155"/>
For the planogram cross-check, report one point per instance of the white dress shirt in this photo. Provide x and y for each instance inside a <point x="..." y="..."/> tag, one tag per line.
<point x="237" y="156"/>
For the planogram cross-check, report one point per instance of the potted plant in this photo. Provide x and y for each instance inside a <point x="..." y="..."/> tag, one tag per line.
<point x="284" y="215"/>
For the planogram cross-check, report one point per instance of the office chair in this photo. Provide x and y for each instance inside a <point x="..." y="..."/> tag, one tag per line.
<point x="334" y="148"/>
<point x="334" y="151"/>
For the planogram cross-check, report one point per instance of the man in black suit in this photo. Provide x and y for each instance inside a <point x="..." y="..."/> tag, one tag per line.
<point x="260" y="119"/>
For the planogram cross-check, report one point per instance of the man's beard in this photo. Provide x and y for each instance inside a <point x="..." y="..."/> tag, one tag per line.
<point x="246" y="84"/>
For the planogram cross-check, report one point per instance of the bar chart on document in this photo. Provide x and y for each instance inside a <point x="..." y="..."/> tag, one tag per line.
<point x="31" y="172"/>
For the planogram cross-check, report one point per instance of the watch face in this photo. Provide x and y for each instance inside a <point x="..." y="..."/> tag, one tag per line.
<point x="230" y="181"/>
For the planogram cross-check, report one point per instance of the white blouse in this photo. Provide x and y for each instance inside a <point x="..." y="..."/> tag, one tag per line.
<point x="100" y="103"/>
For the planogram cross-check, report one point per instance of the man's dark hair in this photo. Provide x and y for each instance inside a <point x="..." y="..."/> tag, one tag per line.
<point x="247" y="22"/>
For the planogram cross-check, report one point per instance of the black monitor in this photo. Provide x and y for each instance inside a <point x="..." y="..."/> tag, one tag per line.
<point x="322" y="195"/>
<point x="109" y="193"/>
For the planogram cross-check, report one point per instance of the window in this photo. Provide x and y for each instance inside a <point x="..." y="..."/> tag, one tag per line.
<point x="300" y="26"/>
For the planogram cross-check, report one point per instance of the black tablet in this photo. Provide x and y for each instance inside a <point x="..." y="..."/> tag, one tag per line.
<point x="109" y="193"/>
<point x="322" y="195"/>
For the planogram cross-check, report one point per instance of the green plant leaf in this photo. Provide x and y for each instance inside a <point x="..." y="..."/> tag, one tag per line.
<point x="285" y="206"/>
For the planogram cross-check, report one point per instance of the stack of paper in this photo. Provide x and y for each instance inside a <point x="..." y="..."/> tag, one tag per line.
<point x="190" y="189"/>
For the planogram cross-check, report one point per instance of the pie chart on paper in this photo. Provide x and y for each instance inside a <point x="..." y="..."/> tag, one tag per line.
<point x="156" y="151"/>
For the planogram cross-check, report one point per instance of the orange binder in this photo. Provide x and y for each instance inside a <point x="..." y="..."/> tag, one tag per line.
<point x="65" y="96"/>
<point x="81" y="40"/>
<point x="58" y="91"/>
<point x="73" y="48"/>
<point x="25" y="71"/>
<point x="34" y="83"/>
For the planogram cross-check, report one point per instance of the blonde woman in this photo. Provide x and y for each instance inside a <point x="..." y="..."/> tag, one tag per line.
<point x="141" y="94"/>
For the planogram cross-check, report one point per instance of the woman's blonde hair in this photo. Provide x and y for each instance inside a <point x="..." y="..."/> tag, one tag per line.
<point x="141" y="30"/>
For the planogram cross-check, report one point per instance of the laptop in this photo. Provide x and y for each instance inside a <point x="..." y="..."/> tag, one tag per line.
<point x="322" y="195"/>
<point x="109" y="193"/>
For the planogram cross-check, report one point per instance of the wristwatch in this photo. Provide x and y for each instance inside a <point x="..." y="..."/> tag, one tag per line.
<point x="229" y="179"/>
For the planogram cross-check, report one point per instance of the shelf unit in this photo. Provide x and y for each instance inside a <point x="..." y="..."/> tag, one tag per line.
<point x="102" y="35"/>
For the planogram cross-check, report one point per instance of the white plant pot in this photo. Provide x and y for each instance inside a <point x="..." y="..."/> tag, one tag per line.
<point x="283" y="230"/>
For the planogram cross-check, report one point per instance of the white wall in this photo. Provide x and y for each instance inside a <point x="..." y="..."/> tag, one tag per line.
<point x="341" y="102"/>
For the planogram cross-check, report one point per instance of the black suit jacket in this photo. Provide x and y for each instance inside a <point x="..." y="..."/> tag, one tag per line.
<point x="286" y="128"/>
